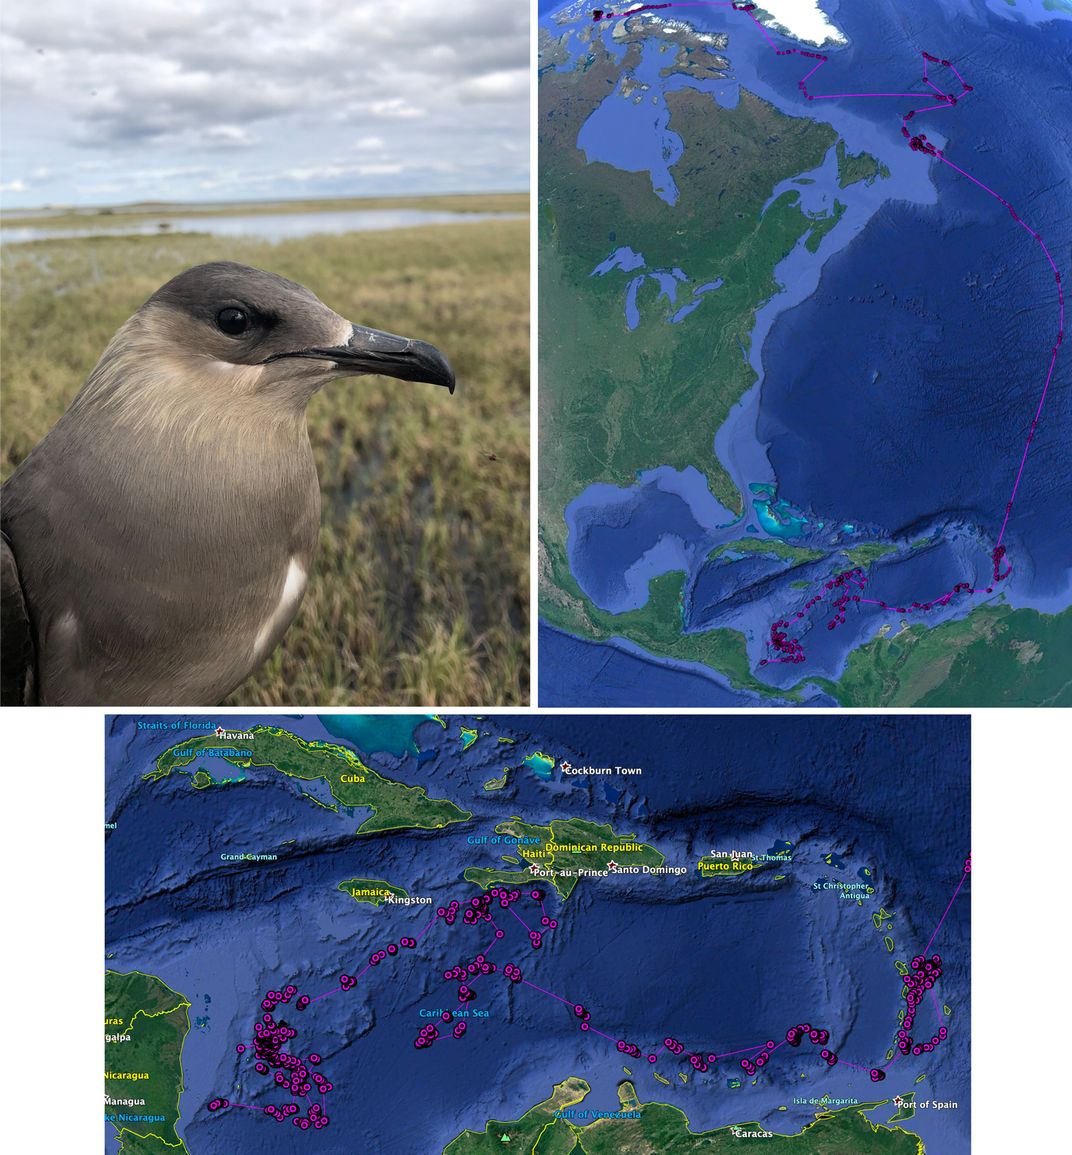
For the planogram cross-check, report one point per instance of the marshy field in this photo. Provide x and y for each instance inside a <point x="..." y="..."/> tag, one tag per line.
<point x="420" y="594"/>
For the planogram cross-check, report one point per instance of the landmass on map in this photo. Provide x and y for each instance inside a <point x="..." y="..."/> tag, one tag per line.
<point x="564" y="852"/>
<point x="720" y="867"/>
<point x="553" y="1128"/>
<point x="369" y="947"/>
<point x="372" y="890"/>
<point x="997" y="656"/>
<point x="394" y="805"/>
<point x="145" y="1026"/>
<point x="527" y="1131"/>
<point x="655" y="401"/>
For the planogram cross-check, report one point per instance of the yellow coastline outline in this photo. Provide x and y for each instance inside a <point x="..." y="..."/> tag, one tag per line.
<point x="183" y="1004"/>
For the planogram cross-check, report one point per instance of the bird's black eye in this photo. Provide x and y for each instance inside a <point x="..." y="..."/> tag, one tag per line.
<point x="233" y="322"/>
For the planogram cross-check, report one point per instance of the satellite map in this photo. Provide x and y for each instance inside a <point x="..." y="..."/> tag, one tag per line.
<point x="804" y="406"/>
<point x="451" y="935"/>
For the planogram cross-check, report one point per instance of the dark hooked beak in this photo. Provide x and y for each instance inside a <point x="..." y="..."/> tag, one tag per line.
<point x="372" y="351"/>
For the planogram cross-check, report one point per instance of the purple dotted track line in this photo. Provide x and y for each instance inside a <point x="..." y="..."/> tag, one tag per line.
<point x="963" y="879"/>
<point x="782" y="648"/>
<point x="298" y="1076"/>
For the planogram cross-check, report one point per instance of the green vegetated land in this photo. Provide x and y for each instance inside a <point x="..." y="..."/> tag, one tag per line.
<point x="867" y="552"/>
<point x="133" y="1144"/>
<point x="823" y="225"/>
<point x="710" y="867"/>
<point x="420" y="588"/>
<point x="614" y="401"/>
<point x="781" y="549"/>
<point x="149" y="1022"/>
<point x="371" y="890"/>
<point x="662" y="1128"/>
<point x="535" y="1126"/>
<point x="861" y="166"/>
<point x="657" y="626"/>
<point x="394" y="805"/>
<point x="565" y="846"/>
<point x="906" y="1110"/>
<point x="996" y="656"/>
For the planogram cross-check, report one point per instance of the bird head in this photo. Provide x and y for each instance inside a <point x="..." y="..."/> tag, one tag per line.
<point x="225" y="326"/>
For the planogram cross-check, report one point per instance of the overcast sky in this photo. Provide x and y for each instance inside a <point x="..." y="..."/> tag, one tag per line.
<point x="109" y="101"/>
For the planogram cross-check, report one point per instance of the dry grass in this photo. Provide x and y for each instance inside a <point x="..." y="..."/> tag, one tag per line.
<point x="420" y="592"/>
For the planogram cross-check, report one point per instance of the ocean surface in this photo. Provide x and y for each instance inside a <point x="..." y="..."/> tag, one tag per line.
<point x="265" y="226"/>
<point x="722" y="963"/>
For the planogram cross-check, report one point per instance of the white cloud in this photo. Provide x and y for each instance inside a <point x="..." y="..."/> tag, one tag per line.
<point x="397" y="108"/>
<point x="335" y="171"/>
<point x="507" y="84"/>
<point x="273" y="85"/>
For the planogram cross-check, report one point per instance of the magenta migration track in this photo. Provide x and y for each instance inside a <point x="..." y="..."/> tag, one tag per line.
<point x="847" y="588"/>
<point x="300" y="1078"/>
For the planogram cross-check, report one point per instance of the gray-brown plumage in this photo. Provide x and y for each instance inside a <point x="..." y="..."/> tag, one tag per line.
<point x="157" y="542"/>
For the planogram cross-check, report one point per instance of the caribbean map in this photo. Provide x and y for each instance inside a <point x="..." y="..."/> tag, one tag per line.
<point x="462" y="934"/>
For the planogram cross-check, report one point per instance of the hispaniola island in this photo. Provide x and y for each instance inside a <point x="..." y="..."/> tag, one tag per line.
<point x="805" y="400"/>
<point x="440" y="934"/>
